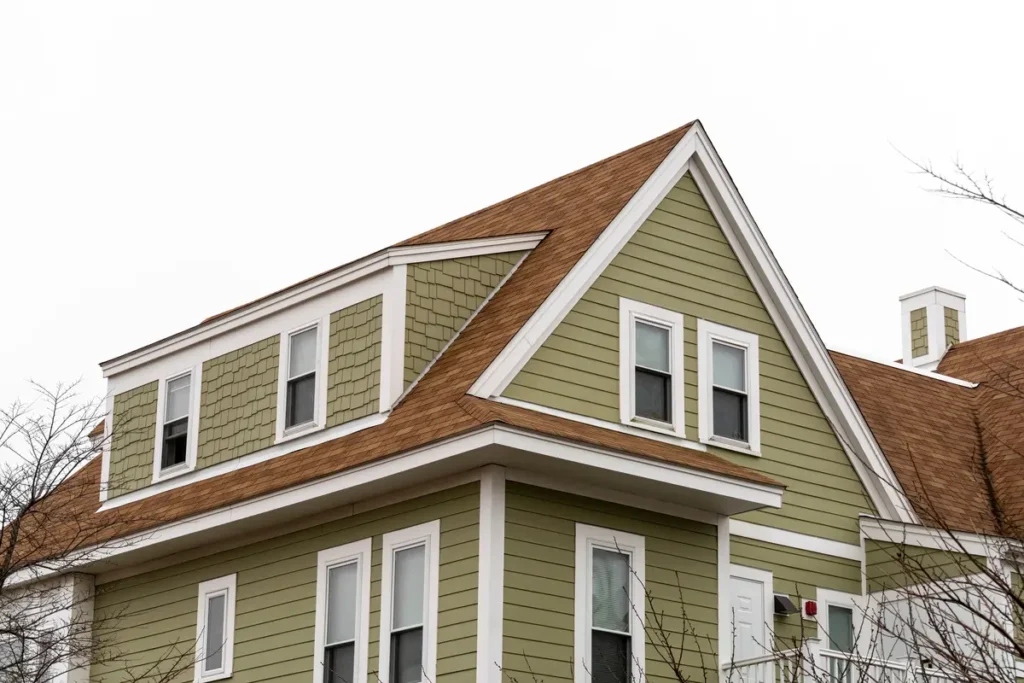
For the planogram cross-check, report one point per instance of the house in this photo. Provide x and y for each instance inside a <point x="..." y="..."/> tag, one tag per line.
<point x="510" y="446"/>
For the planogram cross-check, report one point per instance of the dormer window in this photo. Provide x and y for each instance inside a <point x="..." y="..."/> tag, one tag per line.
<point x="176" y="409"/>
<point x="300" y="398"/>
<point x="651" y="367"/>
<point x="728" y="403"/>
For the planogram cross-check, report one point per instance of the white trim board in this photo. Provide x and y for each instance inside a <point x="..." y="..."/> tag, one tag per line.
<point x="886" y="531"/>
<point x="316" y="286"/>
<point x="695" y="154"/>
<point x="565" y="451"/>
<point x="491" y="575"/>
<point x="792" y="539"/>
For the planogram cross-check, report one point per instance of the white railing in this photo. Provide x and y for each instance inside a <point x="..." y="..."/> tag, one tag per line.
<point x="814" y="665"/>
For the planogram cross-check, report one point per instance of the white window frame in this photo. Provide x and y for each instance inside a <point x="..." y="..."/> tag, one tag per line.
<point x="590" y="537"/>
<point x="629" y="313"/>
<point x="323" y="327"/>
<point x="708" y="333"/>
<point x="207" y="590"/>
<point x="428" y="535"/>
<point x="826" y="597"/>
<point x="360" y="553"/>
<point x="195" y="392"/>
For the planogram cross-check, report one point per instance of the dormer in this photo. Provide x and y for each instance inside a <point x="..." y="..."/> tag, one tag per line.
<point x="307" y="364"/>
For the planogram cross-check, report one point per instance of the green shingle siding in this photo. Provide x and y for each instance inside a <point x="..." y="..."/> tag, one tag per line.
<point x="144" y="616"/>
<point x="919" y="332"/>
<point x="680" y="260"/>
<point x="952" y="320"/>
<point x="134" y="444"/>
<point x="540" y="559"/>
<point x="441" y="295"/>
<point x="238" y="406"/>
<point x="353" y="362"/>
<point x="798" y="574"/>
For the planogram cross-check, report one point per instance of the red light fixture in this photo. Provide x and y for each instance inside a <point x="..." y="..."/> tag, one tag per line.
<point x="810" y="608"/>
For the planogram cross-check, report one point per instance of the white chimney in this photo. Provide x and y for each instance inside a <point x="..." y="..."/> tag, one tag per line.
<point x="932" y="320"/>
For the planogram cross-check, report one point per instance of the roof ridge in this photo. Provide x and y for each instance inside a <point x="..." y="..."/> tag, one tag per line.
<point x="914" y="371"/>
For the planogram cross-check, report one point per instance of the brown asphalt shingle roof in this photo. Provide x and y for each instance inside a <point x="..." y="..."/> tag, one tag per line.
<point x="574" y="210"/>
<point x="946" y="442"/>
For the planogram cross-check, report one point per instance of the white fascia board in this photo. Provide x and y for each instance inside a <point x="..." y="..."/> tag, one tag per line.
<point x="887" y="531"/>
<point x="644" y="468"/>
<point x="792" y="539"/>
<point x="315" y="287"/>
<point x="694" y="153"/>
<point x="567" y="293"/>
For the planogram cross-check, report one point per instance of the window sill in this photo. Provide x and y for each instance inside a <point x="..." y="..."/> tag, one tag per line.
<point x="298" y="430"/>
<point x="172" y="472"/>
<point x="654" y="426"/>
<point x="206" y="678"/>
<point x="730" y="445"/>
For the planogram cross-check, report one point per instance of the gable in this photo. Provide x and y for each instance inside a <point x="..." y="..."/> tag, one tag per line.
<point x="680" y="259"/>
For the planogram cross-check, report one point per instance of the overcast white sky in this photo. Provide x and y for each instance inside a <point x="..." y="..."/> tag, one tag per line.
<point x="162" y="161"/>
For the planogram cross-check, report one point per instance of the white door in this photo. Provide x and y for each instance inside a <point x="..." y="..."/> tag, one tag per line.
<point x="747" y="604"/>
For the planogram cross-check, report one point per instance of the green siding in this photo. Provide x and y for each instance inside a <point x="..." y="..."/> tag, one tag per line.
<point x="353" y="364"/>
<point x="540" y="557"/>
<point x="893" y="565"/>
<point x="952" y="320"/>
<point x="798" y="574"/>
<point x="238" y="406"/>
<point x="145" y="617"/>
<point x="919" y="332"/>
<point x="440" y="298"/>
<point x="134" y="443"/>
<point x="679" y="259"/>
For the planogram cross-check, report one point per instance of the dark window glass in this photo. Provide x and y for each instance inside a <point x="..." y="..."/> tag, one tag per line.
<point x="300" y="401"/>
<point x="730" y="414"/>
<point x="175" y="443"/>
<point x="611" y="656"/>
<point x="653" y="395"/>
<point x="407" y="656"/>
<point x="339" y="663"/>
<point x="840" y="628"/>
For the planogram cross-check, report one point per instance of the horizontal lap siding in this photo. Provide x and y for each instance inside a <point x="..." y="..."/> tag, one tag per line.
<point x="798" y="574"/>
<point x="893" y="565"/>
<point x="134" y="444"/>
<point x="147" y="618"/>
<point x="540" y="556"/>
<point x="680" y="260"/>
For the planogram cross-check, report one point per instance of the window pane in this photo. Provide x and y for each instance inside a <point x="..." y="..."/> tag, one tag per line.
<point x="652" y="346"/>
<point x="342" y="588"/>
<point x="611" y="606"/>
<point x="729" y="366"/>
<point x="175" y="443"/>
<point x="407" y="656"/>
<point x="340" y="663"/>
<point x="730" y="415"/>
<point x="301" y="396"/>
<point x="214" y="650"/>
<point x="177" y="398"/>
<point x="408" y="606"/>
<point x="840" y="629"/>
<point x="653" y="396"/>
<point x="611" y="657"/>
<point x="303" y="353"/>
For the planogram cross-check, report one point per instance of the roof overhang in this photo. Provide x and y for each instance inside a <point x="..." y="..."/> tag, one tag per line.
<point x="540" y="458"/>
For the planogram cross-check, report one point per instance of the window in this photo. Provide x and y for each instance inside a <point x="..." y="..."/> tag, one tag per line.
<point x="408" y="619"/>
<point x="651" y="367"/>
<point x="840" y="628"/>
<point x="176" y="411"/>
<point x="728" y="382"/>
<point x="300" y="398"/>
<point x="342" y="613"/>
<point x="215" y="629"/>
<point x="176" y="425"/>
<point x="302" y="388"/>
<point x="610" y="605"/>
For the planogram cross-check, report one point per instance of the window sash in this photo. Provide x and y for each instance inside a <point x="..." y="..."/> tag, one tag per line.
<point x="314" y="331"/>
<point x="215" y="649"/>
